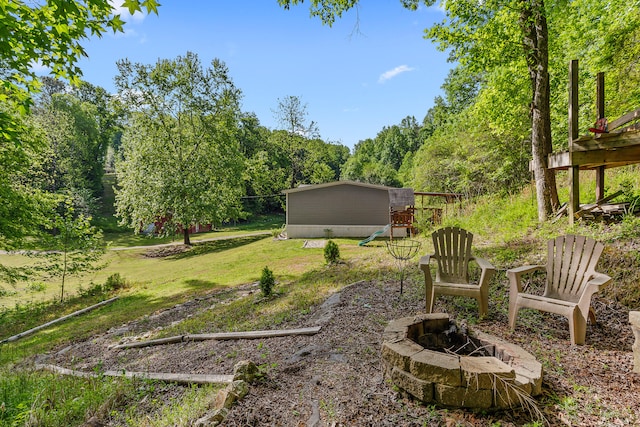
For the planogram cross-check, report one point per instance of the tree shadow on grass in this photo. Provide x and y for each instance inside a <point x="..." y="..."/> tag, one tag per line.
<point x="203" y="248"/>
<point x="204" y="285"/>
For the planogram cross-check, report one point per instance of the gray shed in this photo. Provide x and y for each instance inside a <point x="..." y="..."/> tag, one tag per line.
<point x="337" y="209"/>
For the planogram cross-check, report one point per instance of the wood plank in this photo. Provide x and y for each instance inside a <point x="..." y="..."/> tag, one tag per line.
<point x="560" y="160"/>
<point x="158" y="376"/>
<point x="585" y="265"/>
<point x="606" y="141"/>
<point x="221" y="336"/>
<point x="590" y="207"/>
<point x="578" y="252"/>
<point x="567" y="256"/>
<point x="252" y="334"/>
<point x="625" y="119"/>
<point x="58" y="320"/>
<point x="150" y="343"/>
<point x="629" y="154"/>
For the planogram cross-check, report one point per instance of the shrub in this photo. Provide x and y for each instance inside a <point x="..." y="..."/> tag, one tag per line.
<point x="331" y="252"/>
<point x="115" y="282"/>
<point x="267" y="281"/>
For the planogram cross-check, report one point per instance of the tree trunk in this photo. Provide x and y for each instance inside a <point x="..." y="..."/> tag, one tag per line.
<point x="534" y="24"/>
<point x="185" y="232"/>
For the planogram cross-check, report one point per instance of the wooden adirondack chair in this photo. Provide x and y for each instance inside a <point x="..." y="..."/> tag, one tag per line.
<point x="571" y="281"/>
<point x="452" y="247"/>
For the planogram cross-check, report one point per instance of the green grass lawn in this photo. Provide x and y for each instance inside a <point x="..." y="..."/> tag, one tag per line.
<point x="505" y="229"/>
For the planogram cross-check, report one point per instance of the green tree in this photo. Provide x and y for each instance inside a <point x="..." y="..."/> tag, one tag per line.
<point x="181" y="160"/>
<point x="487" y="35"/>
<point x="51" y="33"/>
<point x="76" y="148"/>
<point x="74" y="246"/>
<point x="23" y="205"/>
<point x="291" y="114"/>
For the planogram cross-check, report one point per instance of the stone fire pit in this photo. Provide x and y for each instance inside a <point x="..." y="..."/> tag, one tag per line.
<point x="432" y="359"/>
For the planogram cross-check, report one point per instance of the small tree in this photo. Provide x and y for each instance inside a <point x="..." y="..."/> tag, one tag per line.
<point x="74" y="245"/>
<point x="267" y="282"/>
<point x="331" y="252"/>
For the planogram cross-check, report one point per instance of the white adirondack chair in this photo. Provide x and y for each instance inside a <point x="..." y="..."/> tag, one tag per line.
<point x="452" y="252"/>
<point x="571" y="281"/>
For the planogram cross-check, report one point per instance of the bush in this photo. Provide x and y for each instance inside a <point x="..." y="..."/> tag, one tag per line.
<point x="115" y="282"/>
<point x="331" y="252"/>
<point x="267" y="281"/>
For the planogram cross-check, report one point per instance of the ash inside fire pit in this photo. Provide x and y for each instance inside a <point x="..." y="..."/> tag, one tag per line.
<point x="437" y="361"/>
<point x="453" y="340"/>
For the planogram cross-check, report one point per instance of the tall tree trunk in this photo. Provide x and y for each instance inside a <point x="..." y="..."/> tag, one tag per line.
<point x="185" y="232"/>
<point x="536" y="39"/>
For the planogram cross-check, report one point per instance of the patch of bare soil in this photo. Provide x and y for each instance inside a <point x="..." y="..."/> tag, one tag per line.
<point x="335" y="378"/>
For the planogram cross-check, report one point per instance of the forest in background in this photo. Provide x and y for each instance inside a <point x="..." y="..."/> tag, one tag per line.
<point x="183" y="148"/>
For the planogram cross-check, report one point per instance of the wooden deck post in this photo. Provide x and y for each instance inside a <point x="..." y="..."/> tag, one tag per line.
<point x="600" y="111"/>
<point x="574" y="171"/>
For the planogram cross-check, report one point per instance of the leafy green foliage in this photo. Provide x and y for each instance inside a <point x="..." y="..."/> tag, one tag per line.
<point x="267" y="282"/>
<point x="74" y="246"/>
<point x="181" y="160"/>
<point x="378" y="160"/>
<point x="331" y="252"/>
<point x="50" y="34"/>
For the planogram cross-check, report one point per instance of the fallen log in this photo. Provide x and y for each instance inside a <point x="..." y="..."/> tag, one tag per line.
<point x="150" y="343"/>
<point x="159" y="376"/>
<point x="58" y="320"/>
<point x="248" y="335"/>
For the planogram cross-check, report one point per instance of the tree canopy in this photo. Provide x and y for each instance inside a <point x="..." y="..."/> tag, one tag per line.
<point x="181" y="161"/>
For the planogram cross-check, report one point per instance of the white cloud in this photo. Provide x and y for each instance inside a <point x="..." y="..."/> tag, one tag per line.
<point x="387" y="75"/>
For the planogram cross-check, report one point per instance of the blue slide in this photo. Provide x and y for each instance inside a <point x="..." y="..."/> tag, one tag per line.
<point x="374" y="235"/>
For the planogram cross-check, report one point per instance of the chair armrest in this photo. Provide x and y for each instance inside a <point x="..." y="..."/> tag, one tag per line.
<point x="483" y="263"/>
<point x="515" y="275"/>
<point x="424" y="262"/>
<point x="599" y="280"/>
<point x="595" y="284"/>
<point x="487" y="271"/>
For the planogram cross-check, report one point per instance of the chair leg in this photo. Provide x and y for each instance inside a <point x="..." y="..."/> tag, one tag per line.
<point x="483" y="305"/>
<point x="577" y="327"/>
<point x="513" y="311"/>
<point x="592" y="315"/>
<point x="429" y="296"/>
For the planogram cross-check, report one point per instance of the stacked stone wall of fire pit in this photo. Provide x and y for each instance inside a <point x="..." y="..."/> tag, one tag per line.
<point x="492" y="373"/>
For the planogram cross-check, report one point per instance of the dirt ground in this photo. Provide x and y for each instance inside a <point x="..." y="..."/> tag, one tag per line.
<point x="335" y="378"/>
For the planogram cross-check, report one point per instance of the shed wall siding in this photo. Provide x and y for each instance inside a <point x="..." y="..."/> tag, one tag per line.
<point x="339" y="205"/>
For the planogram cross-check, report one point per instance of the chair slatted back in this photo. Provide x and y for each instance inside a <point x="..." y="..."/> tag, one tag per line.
<point x="571" y="260"/>
<point x="452" y="251"/>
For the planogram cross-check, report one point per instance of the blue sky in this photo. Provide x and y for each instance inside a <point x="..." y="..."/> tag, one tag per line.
<point x="354" y="81"/>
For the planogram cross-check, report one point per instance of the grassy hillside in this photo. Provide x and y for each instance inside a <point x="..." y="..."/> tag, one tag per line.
<point x="152" y="279"/>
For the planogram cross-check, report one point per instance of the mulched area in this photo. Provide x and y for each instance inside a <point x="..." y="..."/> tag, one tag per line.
<point x="335" y="378"/>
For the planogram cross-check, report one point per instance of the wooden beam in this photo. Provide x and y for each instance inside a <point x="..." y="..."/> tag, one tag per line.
<point x="599" y="182"/>
<point x="606" y="141"/>
<point x="559" y="160"/>
<point x="574" y="108"/>
<point x="574" y="172"/>
<point x="253" y="334"/>
<point x="592" y="206"/>
<point x="159" y="376"/>
<point x="58" y="320"/>
<point x="624" y="119"/>
<point x="604" y="157"/>
<point x="574" y="192"/>
<point x="600" y="111"/>
<point x="248" y="335"/>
